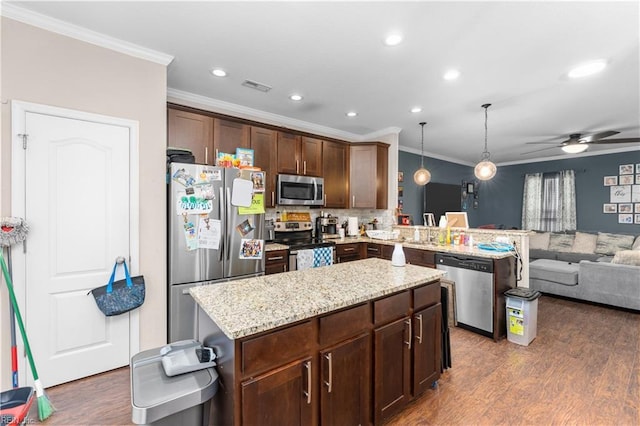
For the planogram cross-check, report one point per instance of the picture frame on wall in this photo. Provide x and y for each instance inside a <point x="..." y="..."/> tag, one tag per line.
<point x="610" y="180"/>
<point x="625" y="218"/>
<point x="626" y="169"/>
<point x="637" y="168"/>
<point x="620" y="194"/>
<point x="636" y="219"/>
<point x="625" y="208"/>
<point x="610" y="208"/>
<point x="635" y="193"/>
<point x="636" y="208"/>
<point x="637" y="179"/>
<point x="400" y="176"/>
<point x="626" y="180"/>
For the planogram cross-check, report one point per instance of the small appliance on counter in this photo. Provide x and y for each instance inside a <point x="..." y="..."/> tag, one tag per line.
<point x="326" y="227"/>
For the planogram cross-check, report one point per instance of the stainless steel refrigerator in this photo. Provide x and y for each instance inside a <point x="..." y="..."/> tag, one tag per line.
<point x="213" y="235"/>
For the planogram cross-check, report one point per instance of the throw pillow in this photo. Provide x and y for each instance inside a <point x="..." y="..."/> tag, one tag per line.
<point x="609" y="244"/>
<point x="539" y="240"/>
<point x="561" y="242"/>
<point x="636" y="244"/>
<point x="627" y="257"/>
<point x="584" y="243"/>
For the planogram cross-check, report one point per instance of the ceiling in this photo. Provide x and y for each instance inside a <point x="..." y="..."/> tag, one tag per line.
<point x="514" y="55"/>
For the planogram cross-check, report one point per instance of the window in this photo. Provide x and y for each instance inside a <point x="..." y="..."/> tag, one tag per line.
<point x="549" y="201"/>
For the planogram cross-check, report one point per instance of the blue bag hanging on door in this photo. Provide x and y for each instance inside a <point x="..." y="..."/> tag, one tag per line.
<point x="120" y="296"/>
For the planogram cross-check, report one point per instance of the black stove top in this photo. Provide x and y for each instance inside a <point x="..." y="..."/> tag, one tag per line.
<point x="304" y="243"/>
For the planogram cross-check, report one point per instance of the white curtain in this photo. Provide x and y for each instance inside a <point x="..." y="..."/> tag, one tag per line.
<point x="549" y="201"/>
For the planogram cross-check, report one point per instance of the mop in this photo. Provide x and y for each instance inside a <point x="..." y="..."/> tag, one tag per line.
<point x="45" y="408"/>
<point x="13" y="230"/>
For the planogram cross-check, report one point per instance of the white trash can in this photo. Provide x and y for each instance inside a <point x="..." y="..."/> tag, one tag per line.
<point x="522" y="315"/>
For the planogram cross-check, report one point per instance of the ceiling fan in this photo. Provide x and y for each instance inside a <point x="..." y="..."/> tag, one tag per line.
<point x="578" y="142"/>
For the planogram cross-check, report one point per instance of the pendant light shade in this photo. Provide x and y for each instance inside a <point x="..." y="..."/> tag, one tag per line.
<point x="575" y="148"/>
<point x="422" y="176"/>
<point x="485" y="169"/>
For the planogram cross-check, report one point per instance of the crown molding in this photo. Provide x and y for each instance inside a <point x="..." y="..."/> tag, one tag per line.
<point x="222" y="107"/>
<point x="436" y="156"/>
<point x="569" y="156"/>
<point x="382" y="132"/>
<point x="83" y="34"/>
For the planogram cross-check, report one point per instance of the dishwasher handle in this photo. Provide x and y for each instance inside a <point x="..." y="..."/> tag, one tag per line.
<point x="465" y="262"/>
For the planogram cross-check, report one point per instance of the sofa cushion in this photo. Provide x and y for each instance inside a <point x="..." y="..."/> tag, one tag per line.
<point x="553" y="270"/>
<point x="636" y="244"/>
<point x="584" y="243"/>
<point x="609" y="244"/>
<point x="542" y="254"/>
<point x="627" y="257"/>
<point x="561" y="242"/>
<point x="577" y="257"/>
<point x="539" y="241"/>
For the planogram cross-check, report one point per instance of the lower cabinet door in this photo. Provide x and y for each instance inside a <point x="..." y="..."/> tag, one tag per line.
<point x="427" y="347"/>
<point x="392" y="369"/>
<point x="279" y="397"/>
<point x="345" y="383"/>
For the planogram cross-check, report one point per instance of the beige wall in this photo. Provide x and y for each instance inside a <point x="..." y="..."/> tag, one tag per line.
<point x="46" y="68"/>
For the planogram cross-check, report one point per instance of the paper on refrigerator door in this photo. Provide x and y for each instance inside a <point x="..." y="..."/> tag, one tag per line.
<point x="209" y="234"/>
<point x="241" y="192"/>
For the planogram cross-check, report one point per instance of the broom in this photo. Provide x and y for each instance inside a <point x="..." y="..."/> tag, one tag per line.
<point x="12" y="231"/>
<point x="45" y="408"/>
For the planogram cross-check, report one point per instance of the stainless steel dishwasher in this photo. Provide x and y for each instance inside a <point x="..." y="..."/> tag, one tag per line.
<point x="473" y="277"/>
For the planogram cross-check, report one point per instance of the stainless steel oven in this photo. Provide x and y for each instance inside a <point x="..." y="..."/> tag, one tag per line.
<point x="299" y="236"/>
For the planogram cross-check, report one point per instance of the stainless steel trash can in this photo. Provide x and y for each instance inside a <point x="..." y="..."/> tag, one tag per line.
<point x="522" y="315"/>
<point x="157" y="399"/>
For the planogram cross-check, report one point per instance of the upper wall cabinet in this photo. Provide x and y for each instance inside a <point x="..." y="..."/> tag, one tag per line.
<point x="368" y="175"/>
<point x="299" y="155"/>
<point x="335" y="171"/>
<point x="229" y="135"/>
<point x="264" y="145"/>
<point x="192" y="131"/>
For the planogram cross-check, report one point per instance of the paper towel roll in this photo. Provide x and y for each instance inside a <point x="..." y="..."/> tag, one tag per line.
<point x="353" y="226"/>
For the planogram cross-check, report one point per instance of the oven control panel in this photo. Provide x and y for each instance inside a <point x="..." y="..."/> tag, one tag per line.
<point x="292" y="226"/>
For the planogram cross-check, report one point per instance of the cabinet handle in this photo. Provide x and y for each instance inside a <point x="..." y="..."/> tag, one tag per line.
<point x="216" y="154"/>
<point x="304" y="167"/>
<point x="408" y="342"/>
<point x="273" y="196"/>
<point x="349" y="249"/>
<point x="307" y="393"/>
<point x="372" y="249"/>
<point x="329" y="383"/>
<point x="276" y="258"/>
<point x="297" y="167"/>
<point x="285" y="267"/>
<point x="420" y="336"/>
<point x="325" y="200"/>
<point x="206" y="155"/>
<point x="353" y="201"/>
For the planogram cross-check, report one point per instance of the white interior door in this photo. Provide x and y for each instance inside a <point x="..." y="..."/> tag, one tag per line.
<point x="77" y="207"/>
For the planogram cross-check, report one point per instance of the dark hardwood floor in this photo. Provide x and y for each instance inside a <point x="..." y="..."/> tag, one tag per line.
<point x="583" y="368"/>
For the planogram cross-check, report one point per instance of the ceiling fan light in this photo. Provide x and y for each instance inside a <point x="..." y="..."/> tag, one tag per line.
<point x="588" y="68"/>
<point x="575" y="148"/>
<point x="485" y="170"/>
<point x="422" y="176"/>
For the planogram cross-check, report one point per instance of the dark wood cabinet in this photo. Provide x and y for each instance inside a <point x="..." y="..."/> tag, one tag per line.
<point x="282" y="396"/>
<point x="348" y="252"/>
<point x="335" y="171"/>
<point x="264" y="145"/>
<point x="427" y="347"/>
<point x="420" y="257"/>
<point x="368" y="175"/>
<point x="392" y="368"/>
<point x="345" y="383"/>
<point x="276" y="261"/>
<point x="381" y="251"/>
<point x="299" y="155"/>
<point x="191" y="131"/>
<point x="229" y="135"/>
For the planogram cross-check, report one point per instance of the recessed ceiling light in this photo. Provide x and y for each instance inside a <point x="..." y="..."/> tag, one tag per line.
<point x="393" y="39"/>
<point x="295" y="97"/>
<point x="218" y="72"/>
<point x="587" y="68"/>
<point x="416" y="109"/>
<point x="451" y="75"/>
<point x="351" y="114"/>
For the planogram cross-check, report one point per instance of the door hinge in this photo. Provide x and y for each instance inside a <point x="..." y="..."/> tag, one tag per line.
<point x="24" y="137"/>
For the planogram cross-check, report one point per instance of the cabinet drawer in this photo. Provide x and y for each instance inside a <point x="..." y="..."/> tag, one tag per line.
<point x="426" y="295"/>
<point x="341" y="325"/>
<point x="374" y="250"/>
<point x="276" y="348"/>
<point x="420" y="257"/>
<point x="391" y="308"/>
<point x="347" y="249"/>
<point x="276" y="256"/>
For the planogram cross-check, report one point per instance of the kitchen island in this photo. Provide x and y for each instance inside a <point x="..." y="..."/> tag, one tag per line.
<point x="349" y="343"/>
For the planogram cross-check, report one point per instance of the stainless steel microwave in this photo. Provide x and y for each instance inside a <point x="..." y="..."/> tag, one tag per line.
<point x="300" y="190"/>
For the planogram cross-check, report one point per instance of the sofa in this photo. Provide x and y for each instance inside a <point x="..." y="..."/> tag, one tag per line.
<point x="597" y="267"/>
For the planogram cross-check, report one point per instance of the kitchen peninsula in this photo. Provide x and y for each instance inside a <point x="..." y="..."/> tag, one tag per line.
<point x="337" y="344"/>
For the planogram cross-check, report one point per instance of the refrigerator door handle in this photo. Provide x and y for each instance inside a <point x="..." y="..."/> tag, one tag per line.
<point x="226" y="222"/>
<point x="220" y="198"/>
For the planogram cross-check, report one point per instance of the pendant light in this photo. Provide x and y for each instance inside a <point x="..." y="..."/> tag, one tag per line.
<point x="422" y="176"/>
<point x="485" y="169"/>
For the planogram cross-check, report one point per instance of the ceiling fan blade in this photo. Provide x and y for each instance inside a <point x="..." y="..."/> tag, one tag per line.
<point x="538" y="150"/>
<point x="600" y="135"/>
<point x="619" y="140"/>
<point x="541" y="143"/>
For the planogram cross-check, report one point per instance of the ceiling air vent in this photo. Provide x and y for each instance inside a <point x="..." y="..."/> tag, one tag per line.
<point x="255" y="85"/>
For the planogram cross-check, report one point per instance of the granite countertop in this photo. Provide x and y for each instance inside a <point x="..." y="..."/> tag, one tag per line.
<point x="245" y="307"/>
